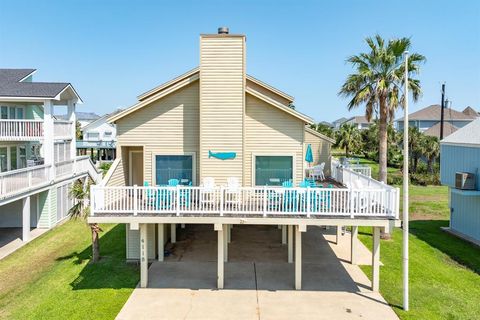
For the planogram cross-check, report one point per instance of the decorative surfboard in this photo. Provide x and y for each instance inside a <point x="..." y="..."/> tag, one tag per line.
<point x="222" y="155"/>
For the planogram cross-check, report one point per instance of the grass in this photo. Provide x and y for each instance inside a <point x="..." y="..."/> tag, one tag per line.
<point x="444" y="270"/>
<point x="52" y="278"/>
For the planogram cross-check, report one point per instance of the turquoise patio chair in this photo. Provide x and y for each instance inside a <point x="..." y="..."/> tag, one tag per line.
<point x="173" y="182"/>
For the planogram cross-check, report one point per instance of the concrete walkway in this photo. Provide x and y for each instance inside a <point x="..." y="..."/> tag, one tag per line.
<point x="258" y="280"/>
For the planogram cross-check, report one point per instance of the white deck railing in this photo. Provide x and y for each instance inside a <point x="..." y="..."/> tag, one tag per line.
<point x="18" y="181"/>
<point x="365" y="170"/>
<point x="21" y="129"/>
<point x="264" y="201"/>
<point x="62" y="129"/>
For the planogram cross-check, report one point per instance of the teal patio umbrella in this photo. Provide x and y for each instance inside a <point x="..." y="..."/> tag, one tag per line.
<point x="309" y="154"/>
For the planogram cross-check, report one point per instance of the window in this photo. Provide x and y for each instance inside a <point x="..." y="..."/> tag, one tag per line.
<point x="22" y="157"/>
<point x="4" y="112"/>
<point x="62" y="151"/>
<point x="173" y="167"/>
<point x="3" y="159"/>
<point x="13" y="158"/>
<point x="64" y="201"/>
<point x="12" y="112"/>
<point x="107" y="135"/>
<point x="273" y="170"/>
<point x="93" y="135"/>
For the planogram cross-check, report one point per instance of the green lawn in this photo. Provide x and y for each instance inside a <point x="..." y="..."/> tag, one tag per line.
<point x="444" y="270"/>
<point x="51" y="277"/>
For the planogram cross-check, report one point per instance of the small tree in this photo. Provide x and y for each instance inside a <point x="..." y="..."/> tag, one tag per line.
<point x="80" y="192"/>
<point x="78" y="130"/>
<point x="431" y="151"/>
<point x="348" y="138"/>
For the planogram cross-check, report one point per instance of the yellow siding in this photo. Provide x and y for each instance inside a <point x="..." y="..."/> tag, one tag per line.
<point x="320" y="149"/>
<point x="167" y="126"/>
<point x="118" y="177"/>
<point x="272" y="131"/>
<point x="222" y="85"/>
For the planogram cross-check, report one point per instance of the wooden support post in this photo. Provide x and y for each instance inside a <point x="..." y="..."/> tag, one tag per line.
<point x="173" y="233"/>
<point x="225" y="242"/>
<point x="298" y="257"/>
<point x="160" y="241"/>
<point x="290" y="244"/>
<point x="353" y="245"/>
<point x="229" y="233"/>
<point x="284" y="234"/>
<point x="339" y="233"/>
<point x="376" y="259"/>
<point x="26" y="219"/>
<point x="220" y="262"/>
<point x="143" y="255"/>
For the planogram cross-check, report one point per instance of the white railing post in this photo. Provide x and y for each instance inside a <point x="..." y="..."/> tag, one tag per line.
<point x="264" y="201"/>
<point x="92" y="200"/>
<point x="308" y="201"/>
<point x="135" y="198"/>
<point x="178" y="200"/>
<point x="352" y="202"/>
<point x="221" y="201"/>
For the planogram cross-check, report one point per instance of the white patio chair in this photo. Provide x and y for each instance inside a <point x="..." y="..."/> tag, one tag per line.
<point x="232" y="191"/>
<point x="207" y="191"/>
<point x="317" y="172"/>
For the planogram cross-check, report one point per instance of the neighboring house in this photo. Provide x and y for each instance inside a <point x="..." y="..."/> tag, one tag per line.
<point x="218" y="123"/>
<point x="471" y="112"/>
<point x="83" y="118"/>
<point x="38" y="159"/>
<point x="360" y="122"/>
<point x="460" y="152"/>
<point x="99" y="136"/>
<point x="428" y="117"/>
<point x="338" y="123"/>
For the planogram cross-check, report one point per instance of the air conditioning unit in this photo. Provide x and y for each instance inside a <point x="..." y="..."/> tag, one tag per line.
<point x="465" y="180"/>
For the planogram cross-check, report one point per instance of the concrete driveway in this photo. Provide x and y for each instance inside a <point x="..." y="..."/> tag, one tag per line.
<point x="258" y="280"/>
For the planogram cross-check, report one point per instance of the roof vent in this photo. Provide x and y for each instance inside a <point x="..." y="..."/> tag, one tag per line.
<point x="223" y="30"/>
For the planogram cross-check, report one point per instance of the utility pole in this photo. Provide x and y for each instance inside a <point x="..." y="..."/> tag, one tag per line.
<point x="405" y="194"/>
<point x="442" y="112"/>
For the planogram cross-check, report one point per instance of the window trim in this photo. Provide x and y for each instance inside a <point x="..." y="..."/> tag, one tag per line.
<point x="154" y="164"/>
<point x="266" y="154"/>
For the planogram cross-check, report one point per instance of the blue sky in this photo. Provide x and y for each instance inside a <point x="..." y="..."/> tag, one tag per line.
<point x="112" y="51"/>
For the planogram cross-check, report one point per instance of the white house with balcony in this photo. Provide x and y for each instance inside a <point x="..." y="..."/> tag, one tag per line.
<point x="38" y="159"/>
<point x="99" y="137"/>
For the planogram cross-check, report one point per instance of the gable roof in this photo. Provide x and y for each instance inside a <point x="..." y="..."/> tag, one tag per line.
<point x="471" y="112"/>
<point x="13" y="86"/>
<point x="192" y="76"/>
<point x="318" y="134"/>
<point x="433" y="112"/>
<point x="102" y="118"/>
<point x="81" y="116"/>
<point x="434" y="130"/>
<point x="468" y="135"/>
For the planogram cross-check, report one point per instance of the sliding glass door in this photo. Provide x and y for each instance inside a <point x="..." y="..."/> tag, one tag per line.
<point x="273" y="170"/>
<point x="178" y="167"/>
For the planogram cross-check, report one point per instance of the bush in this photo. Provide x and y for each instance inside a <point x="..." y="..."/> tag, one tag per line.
<point x="424" y="179"/>
<point x="393" y="179"/>
<point x="105" y="166"/>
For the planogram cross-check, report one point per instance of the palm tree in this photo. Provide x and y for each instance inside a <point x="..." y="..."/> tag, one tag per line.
<point x="349" y="138"/>
<point x="431" y="151"/>
<point x="416" y="144"/>
<point x="377" y="84"/>
<point x="80" y="192"/>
